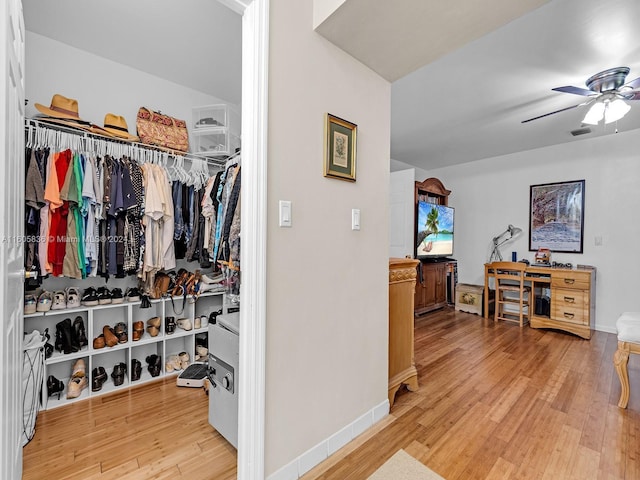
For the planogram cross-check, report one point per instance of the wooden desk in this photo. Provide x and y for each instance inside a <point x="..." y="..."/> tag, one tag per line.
<point x="571" y="294"/>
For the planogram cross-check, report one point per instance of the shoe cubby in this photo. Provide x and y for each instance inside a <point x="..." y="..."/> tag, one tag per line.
<point x="142" y="353"/>
<point x="144" y="315"/>
<point x="205" y="306"/>
<point x="62" y="372"/>
<point x="109" y="360"/>
<point x="109" y="316"/>
<point x="177" y="346"/>
<point x="95" y="318"/>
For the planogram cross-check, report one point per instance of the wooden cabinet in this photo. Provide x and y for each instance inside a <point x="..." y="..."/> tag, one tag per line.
<point x="431" y="289"/>
<point x="402" y="369"/>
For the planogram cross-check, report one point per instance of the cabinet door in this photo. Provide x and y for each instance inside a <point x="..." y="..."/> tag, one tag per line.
<point x="431" y="284"/>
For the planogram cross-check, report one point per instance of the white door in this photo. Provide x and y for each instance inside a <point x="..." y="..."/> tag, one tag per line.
<point x="11" y="231"/>
<point x="401" y="212"/>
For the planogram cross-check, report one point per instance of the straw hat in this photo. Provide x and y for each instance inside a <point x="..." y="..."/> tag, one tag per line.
<point x="63" y="111"/>
<point x="117" y="127"/>
<point x="61" y="107"/>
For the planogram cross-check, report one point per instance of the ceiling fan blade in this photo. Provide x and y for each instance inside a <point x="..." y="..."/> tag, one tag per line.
<point x="633" y="94"/>
<point x="575" y="90"/>
<point x="633" y="84"/>
<point x="552" y="113"/>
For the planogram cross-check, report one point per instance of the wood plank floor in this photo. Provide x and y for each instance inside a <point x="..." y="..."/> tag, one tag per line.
<point x="495" y="402"/>
<point x="498" y="402"/>
<point x="154" y="431"/>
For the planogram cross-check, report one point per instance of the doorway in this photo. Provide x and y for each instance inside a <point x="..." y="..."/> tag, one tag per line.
<point x="252" y="346"/>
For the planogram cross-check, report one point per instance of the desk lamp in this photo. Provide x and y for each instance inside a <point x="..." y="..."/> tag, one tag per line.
<point x="509" y="234"/>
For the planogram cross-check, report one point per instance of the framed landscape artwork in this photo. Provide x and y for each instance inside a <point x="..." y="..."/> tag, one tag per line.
<point x="556" y="216"/>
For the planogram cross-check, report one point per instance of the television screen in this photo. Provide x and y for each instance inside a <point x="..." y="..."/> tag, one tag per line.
<point x="434" y="230"/>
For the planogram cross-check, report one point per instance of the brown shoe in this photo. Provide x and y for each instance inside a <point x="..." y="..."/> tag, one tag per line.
<point x="153" y="331"/>
<point x="109" y="336"/>
<point x="154" y="322"/>
<point x="98" y="342"/>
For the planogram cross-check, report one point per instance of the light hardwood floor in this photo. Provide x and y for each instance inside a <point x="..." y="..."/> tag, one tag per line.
<point x="154" y="431"/>
<point x="495" y="402"/>
<point x="499" y="402"/>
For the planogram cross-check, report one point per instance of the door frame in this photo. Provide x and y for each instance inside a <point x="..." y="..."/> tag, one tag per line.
<point x="255" y="48"/>
<point x="251" y="388"/>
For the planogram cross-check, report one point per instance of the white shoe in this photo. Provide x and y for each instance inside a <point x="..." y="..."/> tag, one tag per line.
<point x="210" y="287"/>
<point x="45" y="300"/>
<point x="216" y="279"/>
<point x="73" y="297"/>
<point x="202" y="351"/>
<point x="184" y="323"/>
<point x="59" y="300"/>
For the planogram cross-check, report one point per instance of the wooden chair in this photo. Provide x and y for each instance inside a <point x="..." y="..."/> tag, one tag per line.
<point x="628" y="326"/>
<point x="512" y="295"/>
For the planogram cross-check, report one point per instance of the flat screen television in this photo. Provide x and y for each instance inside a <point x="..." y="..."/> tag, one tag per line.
<point x="434" y="230"/>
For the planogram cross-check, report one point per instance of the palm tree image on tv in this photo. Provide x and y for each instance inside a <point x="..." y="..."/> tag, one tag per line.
<point x="435" y="230"/>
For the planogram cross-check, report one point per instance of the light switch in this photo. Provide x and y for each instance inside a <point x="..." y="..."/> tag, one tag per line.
<point x="355" y="219"/>
<point x="285" y="213"/>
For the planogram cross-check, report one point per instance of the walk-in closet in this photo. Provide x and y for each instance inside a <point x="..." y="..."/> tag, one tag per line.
<point x="132" y="249"/>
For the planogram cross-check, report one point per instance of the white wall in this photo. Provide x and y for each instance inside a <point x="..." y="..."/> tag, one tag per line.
<point x="491" y="194"/>
<point x="327" y="286"/>
<point x="420" y="174"/>
<point x="99" y="85"/>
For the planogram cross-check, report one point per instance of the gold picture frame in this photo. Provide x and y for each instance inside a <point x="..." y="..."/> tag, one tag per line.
<point x="340" y="148"/>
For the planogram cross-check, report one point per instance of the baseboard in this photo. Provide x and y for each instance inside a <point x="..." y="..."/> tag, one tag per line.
<point x="317" y="454"/>
<point x="606" y="328"/>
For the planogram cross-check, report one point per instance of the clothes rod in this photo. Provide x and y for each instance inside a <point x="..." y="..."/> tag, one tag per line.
<point x="39" y="123"/>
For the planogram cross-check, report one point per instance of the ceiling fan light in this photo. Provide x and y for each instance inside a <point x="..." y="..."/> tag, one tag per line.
<point x="595" y="114"/>
<point x="616" y="110"/>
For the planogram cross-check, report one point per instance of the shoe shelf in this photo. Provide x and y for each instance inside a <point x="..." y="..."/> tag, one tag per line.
<point x="95" y="318"/>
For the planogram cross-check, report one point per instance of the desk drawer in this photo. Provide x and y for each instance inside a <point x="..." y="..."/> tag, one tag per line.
<point x="570" y="306"/>
<point x="570" y="279"/>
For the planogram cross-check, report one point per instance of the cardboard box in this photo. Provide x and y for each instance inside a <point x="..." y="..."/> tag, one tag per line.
<point x="469" y="298"/>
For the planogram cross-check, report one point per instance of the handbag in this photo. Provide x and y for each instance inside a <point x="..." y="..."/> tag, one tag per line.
<point x="155" y="128"/>
<point x="160" y="285"/>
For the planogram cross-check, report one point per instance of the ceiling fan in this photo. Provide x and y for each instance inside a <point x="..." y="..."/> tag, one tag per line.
<point x="607" y="96"/>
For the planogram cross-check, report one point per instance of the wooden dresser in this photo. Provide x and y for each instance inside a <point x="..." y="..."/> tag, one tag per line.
<point x="402" y="369"/>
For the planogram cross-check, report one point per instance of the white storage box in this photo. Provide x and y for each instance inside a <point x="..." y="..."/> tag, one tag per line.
<point x="469" y="298"/>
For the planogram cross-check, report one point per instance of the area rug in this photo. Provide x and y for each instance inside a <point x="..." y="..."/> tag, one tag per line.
<point x="403" y="466"/>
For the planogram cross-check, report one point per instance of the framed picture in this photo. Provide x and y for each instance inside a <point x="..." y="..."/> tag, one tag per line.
<point x="340" y="149"/>
<point x="556" y="216"/>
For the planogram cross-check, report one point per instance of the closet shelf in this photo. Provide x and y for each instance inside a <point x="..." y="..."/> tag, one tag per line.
<point x="142" y="148"/>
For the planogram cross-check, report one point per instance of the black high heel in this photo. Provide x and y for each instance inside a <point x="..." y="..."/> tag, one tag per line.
<point x="54" y="386"/>
<point x="79" y="333"/>
<point x="48" y="348"/>
<point x="58" y="343"/>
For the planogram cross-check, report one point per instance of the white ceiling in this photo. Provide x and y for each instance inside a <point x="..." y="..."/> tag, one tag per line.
<point x="195" y="43"/>
<point x="466" y="104"/>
